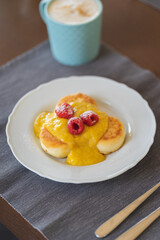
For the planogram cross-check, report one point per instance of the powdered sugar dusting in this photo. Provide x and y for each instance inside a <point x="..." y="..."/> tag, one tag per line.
<point x="88" y="113"/>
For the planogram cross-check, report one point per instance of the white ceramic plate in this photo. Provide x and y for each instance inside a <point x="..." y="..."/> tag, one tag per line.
<point x="114" y="98"/>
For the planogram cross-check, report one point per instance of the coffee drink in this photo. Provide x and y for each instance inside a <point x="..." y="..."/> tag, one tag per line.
<point x="73" y="11"/>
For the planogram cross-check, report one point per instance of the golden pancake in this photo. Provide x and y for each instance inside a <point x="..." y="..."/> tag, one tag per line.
<point x="113" y="138"/>
<point x="52" y="145"/>
<point x="79" y="97"/>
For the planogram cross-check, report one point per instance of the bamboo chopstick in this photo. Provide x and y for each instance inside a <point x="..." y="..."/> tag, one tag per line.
<point x="108" y="226"/>
<point x="138" y="228"/>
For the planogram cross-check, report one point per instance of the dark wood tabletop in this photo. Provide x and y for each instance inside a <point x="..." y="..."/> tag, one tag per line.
<point x="129" y="26"/>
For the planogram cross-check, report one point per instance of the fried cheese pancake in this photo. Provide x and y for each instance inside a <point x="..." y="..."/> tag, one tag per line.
<point x="113" y="138"/>
<point x="52" y="145"/>
<point x="76" y="97"/>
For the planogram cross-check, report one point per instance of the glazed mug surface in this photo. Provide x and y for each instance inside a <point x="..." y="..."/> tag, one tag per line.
<point x="73" y="44"/>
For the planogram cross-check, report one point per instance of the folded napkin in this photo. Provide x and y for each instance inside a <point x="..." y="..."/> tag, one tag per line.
<point x="69" y="211"/>
<point x="153" y="3"/>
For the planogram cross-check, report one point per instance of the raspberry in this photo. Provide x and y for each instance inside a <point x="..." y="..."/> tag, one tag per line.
<point x="89" y="118"/>
<point x="75" y="125"/>
<point x="64" y="111"/>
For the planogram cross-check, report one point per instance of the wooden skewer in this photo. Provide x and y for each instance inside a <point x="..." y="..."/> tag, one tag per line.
<point x="108" y="226"/>
<point x="138" y="228"/>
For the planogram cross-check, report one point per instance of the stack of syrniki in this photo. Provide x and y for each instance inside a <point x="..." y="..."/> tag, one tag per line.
<point x="78" y="130"/>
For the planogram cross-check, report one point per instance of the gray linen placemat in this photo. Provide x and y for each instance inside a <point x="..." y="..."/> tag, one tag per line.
<point x="153" y="3"/>
<point x="68" y="211"/>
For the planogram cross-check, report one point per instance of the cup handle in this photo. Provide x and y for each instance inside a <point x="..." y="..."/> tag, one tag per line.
<point x="42" y="5"/>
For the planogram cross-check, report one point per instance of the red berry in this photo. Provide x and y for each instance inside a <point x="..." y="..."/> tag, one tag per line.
<point x="64" y="111"/>
<point x="75" y="125"/>
<point x="89" y="118"/>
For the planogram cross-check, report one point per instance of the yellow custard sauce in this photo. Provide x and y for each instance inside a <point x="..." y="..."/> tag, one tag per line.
<point x="39" y="122"/>
<point x="83" y="150"/>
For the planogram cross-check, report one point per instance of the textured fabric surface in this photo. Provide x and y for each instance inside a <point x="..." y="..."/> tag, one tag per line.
<point x="69" y="211"/>
<point x="153" y="3"/>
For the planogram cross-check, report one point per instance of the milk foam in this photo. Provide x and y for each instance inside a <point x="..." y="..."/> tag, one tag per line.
<point x="73" y="11"/>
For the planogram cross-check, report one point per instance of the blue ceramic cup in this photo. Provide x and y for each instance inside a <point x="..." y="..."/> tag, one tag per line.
<point x="73" y="44"/>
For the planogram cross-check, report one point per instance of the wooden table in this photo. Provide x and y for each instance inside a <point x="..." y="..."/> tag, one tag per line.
<point x="129" y="26"/>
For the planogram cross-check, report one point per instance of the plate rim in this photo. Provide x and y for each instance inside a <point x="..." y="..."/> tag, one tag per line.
<point x="73" y="180"/>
